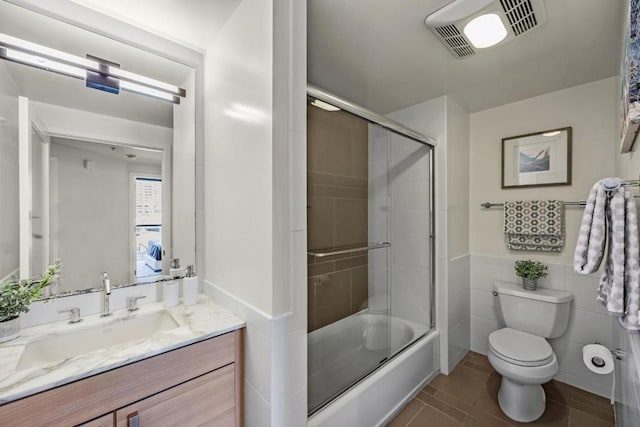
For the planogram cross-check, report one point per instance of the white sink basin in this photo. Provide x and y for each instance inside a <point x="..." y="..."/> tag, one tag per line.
<point x="112" y="332"/>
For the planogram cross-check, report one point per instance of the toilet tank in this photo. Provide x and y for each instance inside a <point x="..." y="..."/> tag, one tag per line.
<point x="544" y="312"/>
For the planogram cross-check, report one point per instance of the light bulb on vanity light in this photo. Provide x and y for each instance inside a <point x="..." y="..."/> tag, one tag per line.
<point x="43" y="57"/>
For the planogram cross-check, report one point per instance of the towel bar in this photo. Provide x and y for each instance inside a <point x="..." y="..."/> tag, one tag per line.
<point x="322" y="254"/>
<point x="487" y="205"/>
<point x="581" y="203"/>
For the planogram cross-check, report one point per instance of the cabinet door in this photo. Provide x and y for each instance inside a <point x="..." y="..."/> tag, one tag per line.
<point x="104" y="421"/>
<point x="204" y="401"/>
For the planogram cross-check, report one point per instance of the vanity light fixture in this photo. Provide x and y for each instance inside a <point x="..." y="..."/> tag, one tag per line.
<point x="485" y="30"/>
<point x="324" y="105"/>
<point x="27" y="53"/>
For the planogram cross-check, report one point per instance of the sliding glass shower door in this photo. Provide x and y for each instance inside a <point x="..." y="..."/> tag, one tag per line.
<point x="369" y="248"/>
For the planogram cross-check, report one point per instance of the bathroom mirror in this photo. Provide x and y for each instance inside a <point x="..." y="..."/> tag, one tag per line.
<point x="102" y="181"/>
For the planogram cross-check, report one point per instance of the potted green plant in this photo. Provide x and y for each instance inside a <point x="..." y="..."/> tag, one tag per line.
<point x="530" y="271"/>
<point x="15" y="297"/>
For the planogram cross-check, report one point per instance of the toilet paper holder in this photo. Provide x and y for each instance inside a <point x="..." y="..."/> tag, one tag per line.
<point x="618" y="353"/>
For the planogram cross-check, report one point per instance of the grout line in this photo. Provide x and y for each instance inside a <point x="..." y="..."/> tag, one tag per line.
<point x="416" y="414"/>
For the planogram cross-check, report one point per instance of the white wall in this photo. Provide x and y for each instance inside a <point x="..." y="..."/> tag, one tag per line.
<point x="590" y="110"/>
<point x="238" y="155"/>
<point x="255" y="198"/>
<point x="77" y="124"/>
<point x="444" y="120"/>
<point x="9" y="214"/>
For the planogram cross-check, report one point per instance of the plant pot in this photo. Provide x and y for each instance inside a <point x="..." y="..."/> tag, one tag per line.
<point x="529" y="284"/>
<point x="9" y="329"/>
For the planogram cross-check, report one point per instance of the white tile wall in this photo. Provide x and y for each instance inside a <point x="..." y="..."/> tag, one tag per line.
<point x="275" y="363"/>
<point x="458" y="309"/>
<point x="627" y="379"/>
<point x="480" y="330"/>
<point x="588" y="322"/>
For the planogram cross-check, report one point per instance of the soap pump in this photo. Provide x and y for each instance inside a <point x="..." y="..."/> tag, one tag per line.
<point x="175" y="271"/>
<point x="190" y="286"/>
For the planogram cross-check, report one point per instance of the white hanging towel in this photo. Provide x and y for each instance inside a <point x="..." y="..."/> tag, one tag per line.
<point x="610" y="216"/>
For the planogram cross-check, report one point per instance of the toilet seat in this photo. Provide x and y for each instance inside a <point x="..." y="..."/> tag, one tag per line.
<point x="520" y="348"/>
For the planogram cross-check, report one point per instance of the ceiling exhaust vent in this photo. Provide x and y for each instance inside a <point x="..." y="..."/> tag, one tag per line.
<point x="517" y="16"/>
<point x="456" y="41"/>
<point x="520" y="14"/>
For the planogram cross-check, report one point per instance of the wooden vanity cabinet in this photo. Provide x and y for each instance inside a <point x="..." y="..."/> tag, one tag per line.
<point x="205" y="401"/>
<point x="197" y="385"/>
<point x="104" y="421"/>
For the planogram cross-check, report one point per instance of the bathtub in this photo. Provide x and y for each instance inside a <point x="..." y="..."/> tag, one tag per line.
<point x="346" y="351"/>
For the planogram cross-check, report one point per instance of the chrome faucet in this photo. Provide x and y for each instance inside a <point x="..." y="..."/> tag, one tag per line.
<point x="75" y="314"/>
<point x="106" y="287"/>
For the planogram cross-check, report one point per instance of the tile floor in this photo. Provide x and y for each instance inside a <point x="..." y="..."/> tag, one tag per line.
<point x="468" y="397"/>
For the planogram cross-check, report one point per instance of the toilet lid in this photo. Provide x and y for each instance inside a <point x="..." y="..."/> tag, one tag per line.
<point x="520" y="348"/>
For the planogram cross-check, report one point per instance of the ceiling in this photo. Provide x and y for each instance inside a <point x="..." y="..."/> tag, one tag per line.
<point x="52" y="88"/>
<point x="193" y="23"/>
<point x="379" y="54"/>
<point x="143" y="156"/>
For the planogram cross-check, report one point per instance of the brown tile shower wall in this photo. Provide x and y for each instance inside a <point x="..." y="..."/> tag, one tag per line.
<point x="337" y="164"/>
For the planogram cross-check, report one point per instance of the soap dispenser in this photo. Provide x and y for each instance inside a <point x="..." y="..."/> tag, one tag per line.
<point x="190" y="287"/>
<point x="175" y="271"/>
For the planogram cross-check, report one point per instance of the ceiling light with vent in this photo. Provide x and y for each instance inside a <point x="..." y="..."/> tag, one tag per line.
<point x="485" y="30"/>
<point x="468" y="27"/>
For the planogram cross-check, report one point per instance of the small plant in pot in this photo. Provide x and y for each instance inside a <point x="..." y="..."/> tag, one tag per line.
<point x="530" y="271"/>
<point x="15" y="297"/>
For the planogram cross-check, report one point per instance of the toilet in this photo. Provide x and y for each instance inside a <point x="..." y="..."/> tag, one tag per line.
<point x="520" y="352"/>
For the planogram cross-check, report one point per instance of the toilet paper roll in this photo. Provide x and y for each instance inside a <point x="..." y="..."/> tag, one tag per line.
<point x="597" y="358"/>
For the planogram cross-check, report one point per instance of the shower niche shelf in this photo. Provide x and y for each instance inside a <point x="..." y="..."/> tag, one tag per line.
<point x="343" y="250"/>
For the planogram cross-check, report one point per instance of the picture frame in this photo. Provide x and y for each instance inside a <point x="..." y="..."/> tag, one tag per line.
<point x="538" y="159"/>
<point x="630" y="79"/>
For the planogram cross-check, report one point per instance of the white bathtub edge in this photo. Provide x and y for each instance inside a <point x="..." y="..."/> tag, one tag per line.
<point x="400" y="406"/>
<point x="354" y="407"/>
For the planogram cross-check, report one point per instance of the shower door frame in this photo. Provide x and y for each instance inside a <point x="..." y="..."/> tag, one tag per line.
<point x="398" y="128"/>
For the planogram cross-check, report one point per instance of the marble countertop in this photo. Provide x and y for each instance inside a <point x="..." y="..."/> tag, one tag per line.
<point x="198" y="322"/>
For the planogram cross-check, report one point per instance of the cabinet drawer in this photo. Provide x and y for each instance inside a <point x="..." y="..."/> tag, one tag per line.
<point x="205" y="401"/>
<point x="104" y="421"/>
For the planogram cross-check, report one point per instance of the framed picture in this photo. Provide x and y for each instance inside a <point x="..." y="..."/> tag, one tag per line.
<point x="630" y="79"/>
<point x="537" y="159"/>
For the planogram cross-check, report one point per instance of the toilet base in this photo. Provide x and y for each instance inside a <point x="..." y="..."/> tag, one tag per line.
<point x="521" y="402"/>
